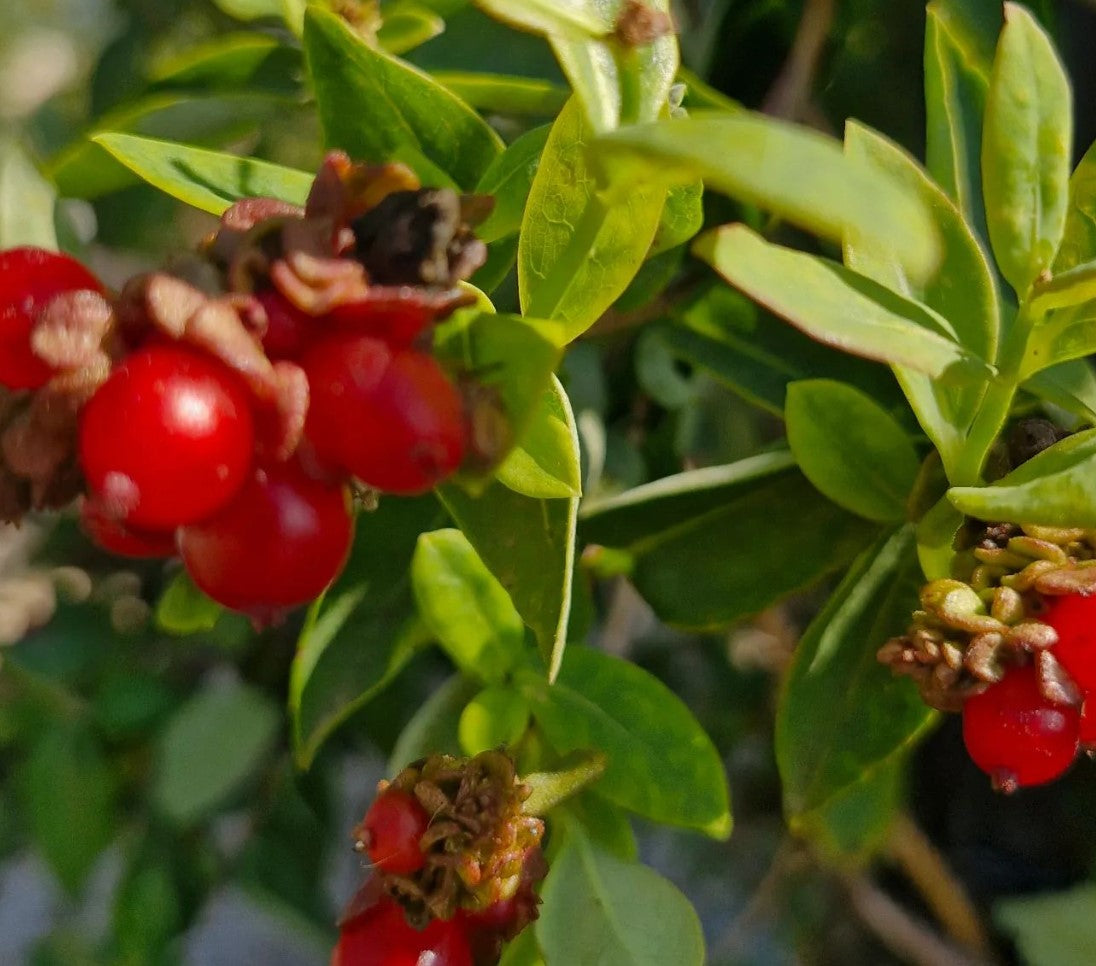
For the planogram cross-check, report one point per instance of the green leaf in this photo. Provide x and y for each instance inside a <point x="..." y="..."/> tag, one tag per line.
<point x="836" y="306"/>
<point x="578" y="250"/>
<point x="496" y="717"/>
<point x="408" y="26"/>
<point x="856" y="820"/>
<point x="69" y="794"/>
<point x="508" y="355"/>
<point x="230" y="62"/>
<point x="643" y="511"/>
<point x="1056" y="488"/>
<point x="736" y="560"/>
<point x="1026" y="149"/>
<point x="546" y="462"/>
<point x="1068" y="289"/>
<point x="505" y="93"/>
<point x="508" y="181"/>
<point x="682" y="217"/>
<point x="184" y="609"/>
<point x="465" y="607"/>
<point x="26" y="201"/>
<point x="1079" y="237"/>
<point x="522" y="951"/>
<point x="842" y="715"/>
<point x="535" y="568"/>
<point x="1053" y="929"/>
<point x="798" y="174"/>
<point x="378" y="108"/>
<point x="250" y="9"/>
<point x="209" y="180"/>
<point x="212" y="747"/>
<point x="599" y="909"/>
<point x="577" y="18"/>
<point x="87" y="170"/>
<point x="363" y="631"/>
<point x="936" y="533"/>
<point x="1070" y="385"/>
<point x="852" y="450"/>
<point x="958" y="58"/>
<point x="435" y="725"/>
<point x="660" y="765"/>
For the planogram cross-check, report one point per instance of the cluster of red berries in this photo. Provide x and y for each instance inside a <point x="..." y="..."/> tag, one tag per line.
<point x="1018" y="733"/>
<point x="231" y="418"/>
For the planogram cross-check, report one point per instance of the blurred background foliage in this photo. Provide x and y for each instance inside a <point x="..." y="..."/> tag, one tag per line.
<point x="150" y="811"/>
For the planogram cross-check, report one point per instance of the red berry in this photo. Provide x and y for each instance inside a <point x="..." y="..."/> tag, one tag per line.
<point x="392" y="829"/>
<point x="29" y="279"/>
<point x="288" y="330"/>
<point x="1013" y="733"/>
<point x="380" y="936"/>
<point x="124" y="541"/>
<point x="396" y="313"/>
<point x="167" y="439"/>
<point x="1073" y="616"/>
<point x="279" y="543"/>
<point x="386" y="415"/>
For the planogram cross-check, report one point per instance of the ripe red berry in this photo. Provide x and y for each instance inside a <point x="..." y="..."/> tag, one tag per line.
<point x="279" y="543"/>
<point x="1013" y="733"/>
<point x="288" y="329"/>
<point x="391" y="831"/>
<point x="168" y="438"/>
<point x="386" y="415"/>
<point x="1073" y="616"/>
<point x="124" y="541"/>
<point x="29" y="279"/>
<point x="381" y="936"/>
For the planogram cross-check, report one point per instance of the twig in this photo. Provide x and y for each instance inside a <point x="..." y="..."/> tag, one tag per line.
<point x="790" y="95"/>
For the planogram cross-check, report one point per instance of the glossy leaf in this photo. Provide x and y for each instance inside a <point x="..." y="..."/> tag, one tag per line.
<point x="799" y="175"/>
<point x="378" y="108"/>
<point x="211" y="748"/>
<point x="600" y="909"/>
<point x="1079" y="237"/>
<point x="465" y="607"/>
<point x="1055" y="488"/>
<point x="853" y="451"/>
<point x="577" y="251"/>
<point x="536" y="567"/>
<point x="842" y="715"/>
<point x="209" y="180"/>
<point x="408" y="26"/>
<point x="184" y="609"/>
<point x="1027" y="143"/>
<point x="505" y="93"/>
<point x="496" y="717"/>
<point x="738" y="559"/>
<point x="959" y="44"/>
<point x="660" y="763"/>
<point x="26" y="202"/>
<point x="508" y="181"/>
<point x="836" y="306"/>
<point x="546" y="462"/>
<point x="639" y="513"/>
<point x="1070" y="385"/>
<point x="363" y="631"/>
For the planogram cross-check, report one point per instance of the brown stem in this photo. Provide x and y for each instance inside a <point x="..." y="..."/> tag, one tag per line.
<point x="790" y="95"/>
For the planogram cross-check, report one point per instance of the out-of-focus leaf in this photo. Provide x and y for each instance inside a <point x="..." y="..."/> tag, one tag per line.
<point x="1053" y="929"/>
<point x="1079" y="238"/>
<point x="505" y="93"/>
<point x="1070" y="385"/>
<point x="495" y="717"/>
<point x="578" y="18"/>
<point x="408" y="26"/>
<point x="1026" y="148"/>
<point x="26" y="202"/>
<point x="798" y="174"/>
<point x="184" y="609"/>
<point x="230" y="62"/>
<point x="435" y="725"/>
<point x="856" y="820"/>
<point x="842" y="714"/>
<point x="250" y="9"/>
<point x="578" y="250"/>
<point x="508" y="181"/>
<point x="378" y="108"/>
<point x="545" y="464"/>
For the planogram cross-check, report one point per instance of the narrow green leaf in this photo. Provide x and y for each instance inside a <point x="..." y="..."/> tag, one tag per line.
<point x="836" y="306"/>
<point x="496" y="717"/>
<point x="660" y="764"/>
<point x="682" y="217"/>
<point x="545" y="464"/>
<point x="580" y="18"/>
<point x="1056" y="488"/>
<point x="578" y="251"/>
<point x="1079" y="237"/>
<point x="853" y="451"/>
<point x="1065" y="335"/>
<point x="378" y="108"/>
<point x="184" y="609"/>
<point x="1026" y="149"/>
<point x="508" y="181"/>
<point x="599" y="909"/>
<point x="230" y="62"/>
<point x="1070" y="385"/>
<point x="250" y="9"/>
<point x="798" y="174"/>
<point x="212" y="747"/>
<point x="1052" y="929"/>
<point x="936" y="533"/>
<point x="26" y="202"/>
<point x="842" y="715"/>
<point x="738" y="559"/>
<point x="1067" y="289"/>
<point x="505" y="93"/>
<point x="465" y="607"/>
<point x="433" y="728"/>
<point x="407" y="27"/>
<point x="958" y="59"/>
<point x="208" y="180"/>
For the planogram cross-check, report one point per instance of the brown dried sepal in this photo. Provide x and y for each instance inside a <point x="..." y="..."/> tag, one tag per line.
<point x="39" y="469"/>
<point x="640" y="24"/>
<point x="479" y="846"/>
